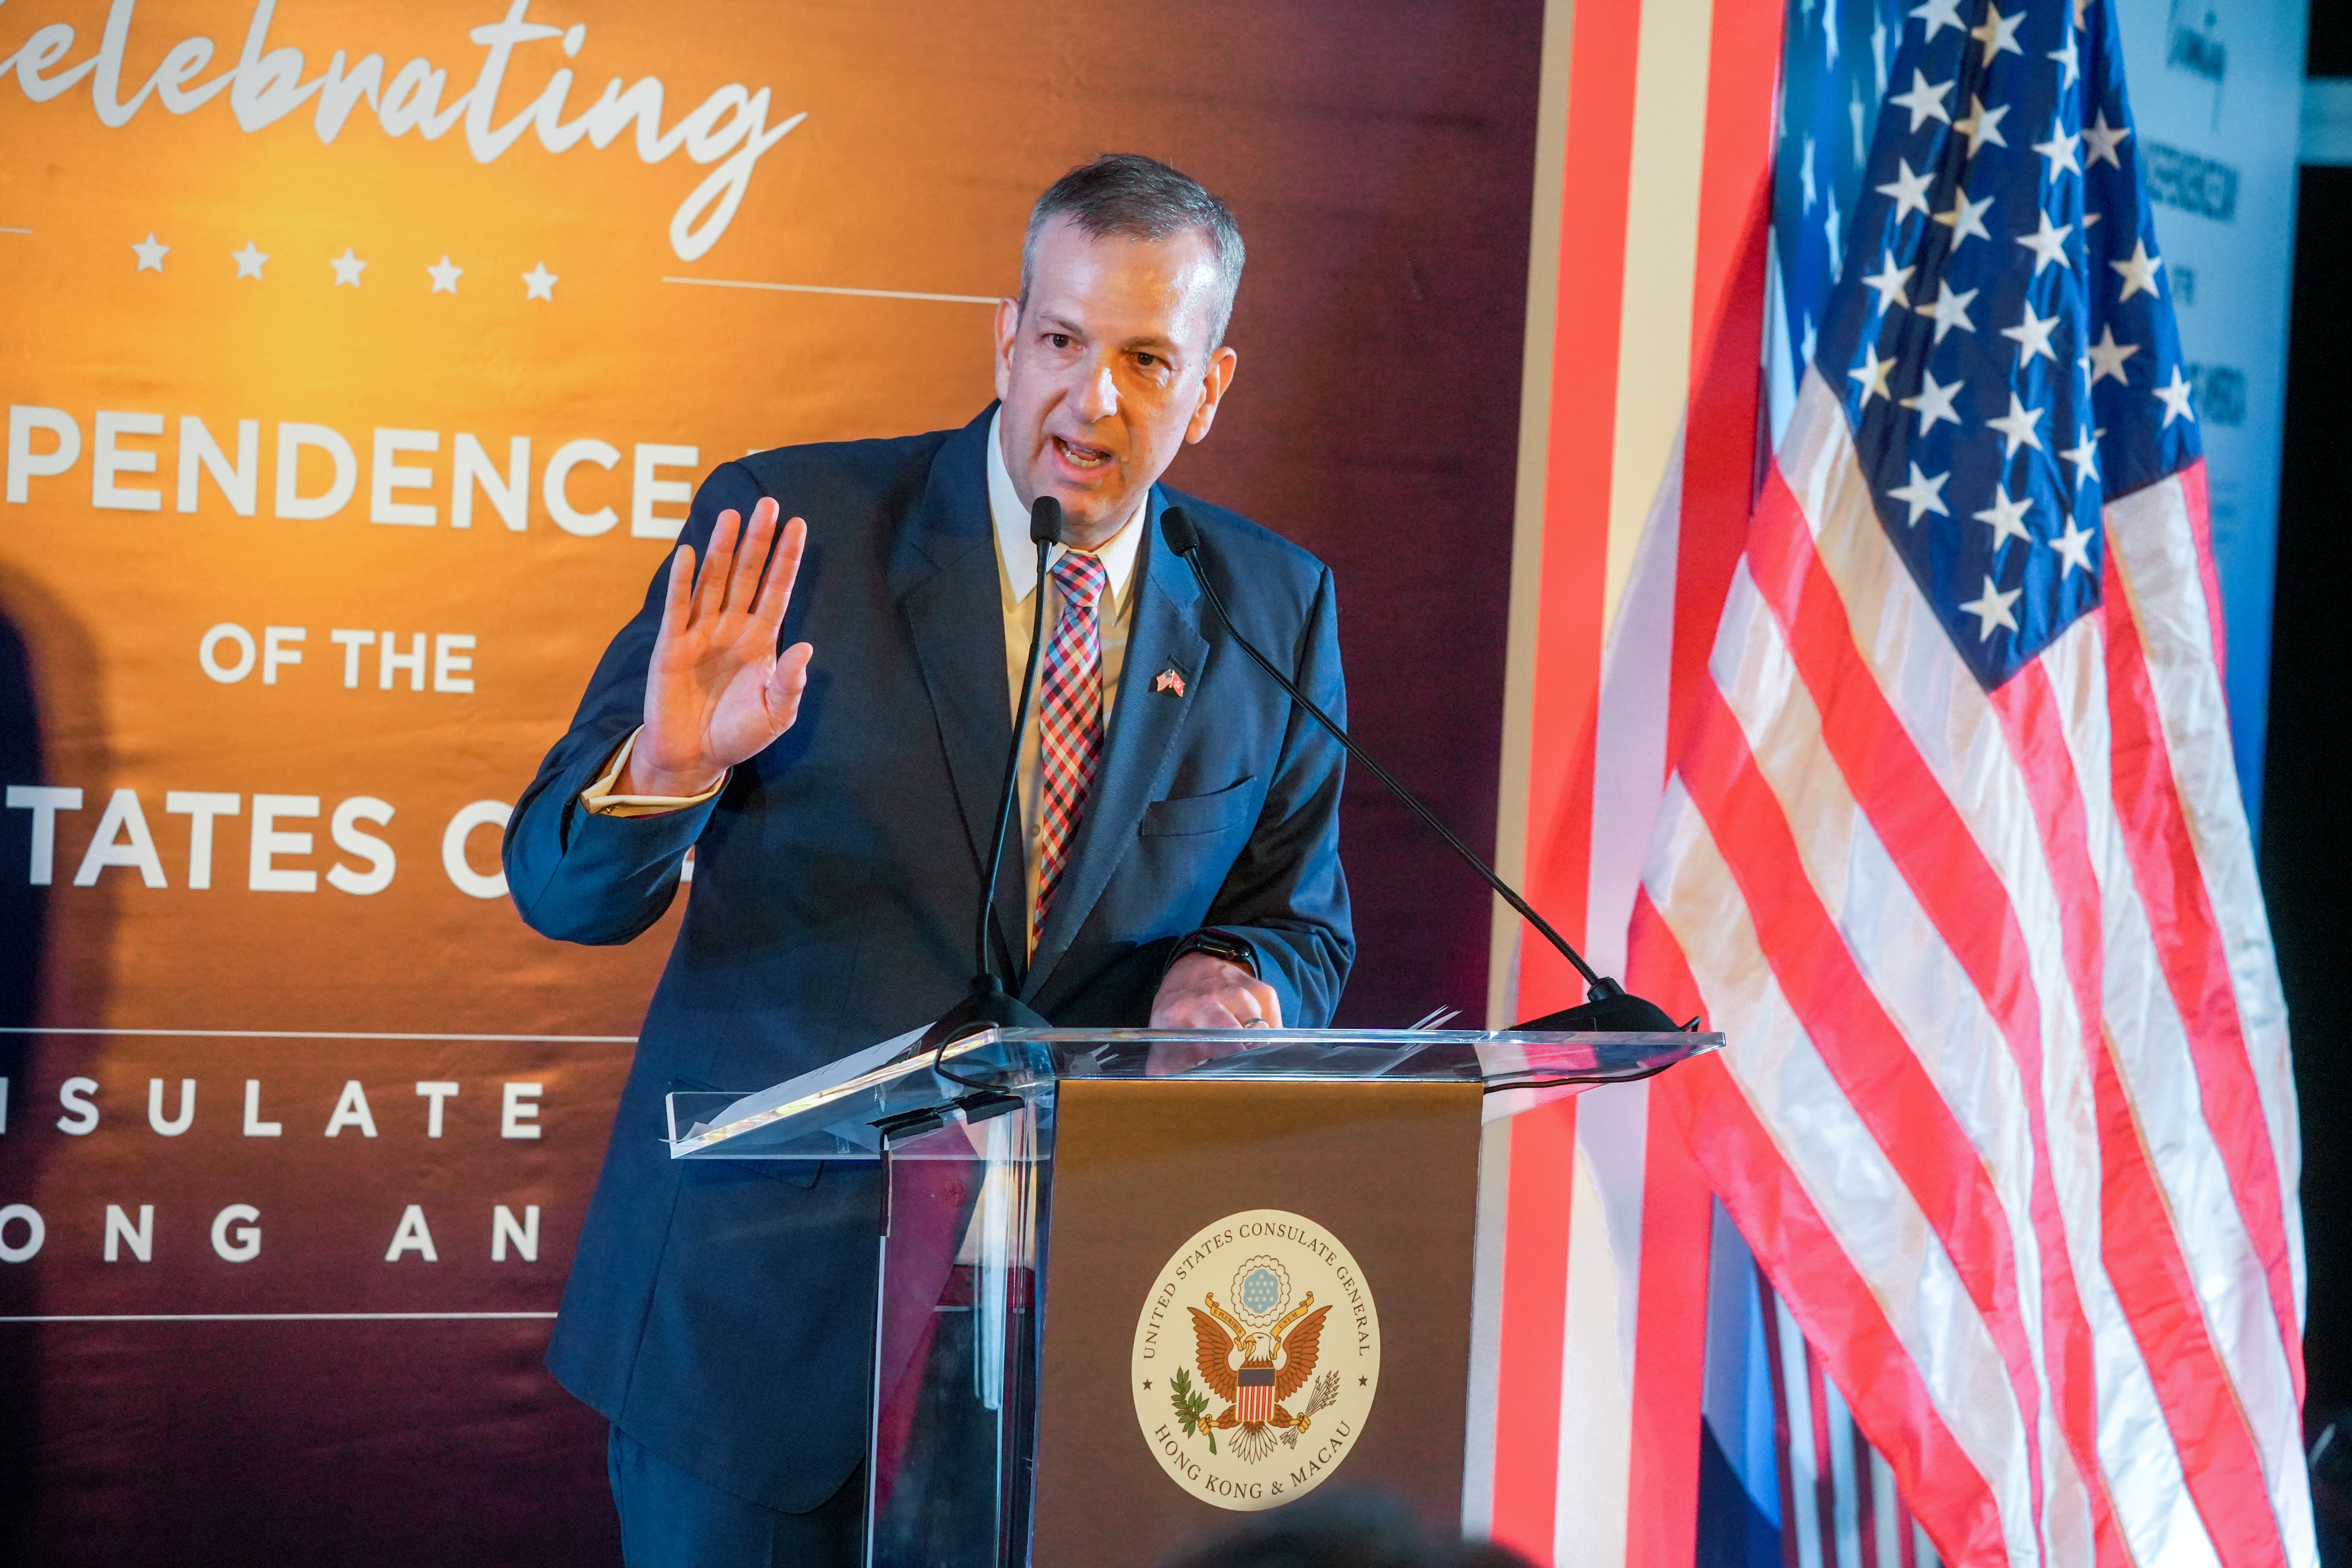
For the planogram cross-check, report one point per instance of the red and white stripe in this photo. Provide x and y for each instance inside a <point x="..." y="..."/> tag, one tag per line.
<point x="1840" y="1507"/>
<point x="1645" y="309"/>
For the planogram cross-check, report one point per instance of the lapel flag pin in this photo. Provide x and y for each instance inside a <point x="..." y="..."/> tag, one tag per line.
<point x="1169" y="680"/>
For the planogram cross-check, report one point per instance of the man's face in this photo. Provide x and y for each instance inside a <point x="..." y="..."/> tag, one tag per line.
<point x="1108" y="372"/>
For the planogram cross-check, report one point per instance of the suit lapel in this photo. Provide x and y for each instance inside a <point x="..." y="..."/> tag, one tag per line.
<point x="1163" y="632"/>
<point x="954" y="614"/>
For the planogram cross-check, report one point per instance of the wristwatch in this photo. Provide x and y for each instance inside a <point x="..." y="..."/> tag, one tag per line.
<point x="1216" y="943"/>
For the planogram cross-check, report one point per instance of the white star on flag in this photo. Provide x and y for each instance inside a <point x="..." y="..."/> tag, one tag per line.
<point x="1833" y="230"/>
<point x="2084" y="455"/>
<point x="1889" y="283"/>
<point x="1805" y="174"/>
<point x="150" y="254"/>
<point x="1992" y="609"/>
<point x="2175" y="398"/>
<point x="1950" y="311"/>
<point x="2069" y="58"/>
<point x="539" y="283"/>
<point x="1909" y="190"/>
<point x="1872" y="373"/>
<point x="1982" y="125"/>
<point x="347" y="267"/>
<point x="1935" y="401"/>
<point x="2007" y="516"/>
<point x="1966" y="220"/>
<point x="2101" y="140"/>
<point x="248" y="261"/>
<point x="2107" y="357"/>
<point x="2032" y="335"/>
<point x="2137" y="270"/>
<point x="1923" y="495"/>
<point x="1939" y="15"/>
<point x="1925" y="101"/>
<point x="2048" y="243"/>
<point x="2073" y="547"/>
<point x="2059" y="150"/>
<point x="2017" y="426"/>
<point x="1998" y="33"/>
<point x="445" y="276"/>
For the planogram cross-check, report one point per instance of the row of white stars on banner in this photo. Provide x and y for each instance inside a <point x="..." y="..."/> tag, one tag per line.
<point x="538" y="283"/>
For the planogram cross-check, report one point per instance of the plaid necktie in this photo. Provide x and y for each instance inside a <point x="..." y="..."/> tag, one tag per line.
<point x="1069" y="724"/>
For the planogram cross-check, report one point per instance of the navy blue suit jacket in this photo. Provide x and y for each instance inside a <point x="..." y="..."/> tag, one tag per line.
<point x="720" y="1313"/>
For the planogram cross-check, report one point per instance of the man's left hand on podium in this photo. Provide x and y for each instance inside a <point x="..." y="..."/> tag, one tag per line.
<point x="1200" y="991"/>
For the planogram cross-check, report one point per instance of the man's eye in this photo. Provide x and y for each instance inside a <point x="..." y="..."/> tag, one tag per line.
<point x="1146" y="361"/>
<point x="1059" y="340"/>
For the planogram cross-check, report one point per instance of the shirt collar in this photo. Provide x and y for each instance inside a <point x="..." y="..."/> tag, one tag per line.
<point x="1018" y="555"/>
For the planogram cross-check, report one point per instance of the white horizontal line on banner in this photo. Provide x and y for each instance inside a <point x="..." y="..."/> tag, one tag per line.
<point x="827" y="289"/>
<point x="264" y="1317"/>
<point x="15" y="231"/>
<point x="329" y="1034"/>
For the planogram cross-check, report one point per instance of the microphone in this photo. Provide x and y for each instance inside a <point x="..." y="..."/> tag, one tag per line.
<point x="987" y="1005"/>
<point x="1608" y="1005"/>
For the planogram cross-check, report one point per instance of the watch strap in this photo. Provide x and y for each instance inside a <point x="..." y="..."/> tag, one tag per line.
<point x="1224" y="945"/>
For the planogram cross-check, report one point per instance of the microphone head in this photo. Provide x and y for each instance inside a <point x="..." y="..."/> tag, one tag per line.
<point x="1045" y="520"/>
<point x="1176" y="528"/>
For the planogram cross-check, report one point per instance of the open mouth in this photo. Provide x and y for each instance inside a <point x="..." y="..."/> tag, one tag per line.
<point x="1084" y="459"/>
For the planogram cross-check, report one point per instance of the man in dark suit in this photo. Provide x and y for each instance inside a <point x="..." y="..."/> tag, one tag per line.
<point x="1180" y="832"/>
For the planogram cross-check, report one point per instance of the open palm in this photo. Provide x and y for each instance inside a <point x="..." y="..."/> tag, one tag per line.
<point x="717" y="689"/>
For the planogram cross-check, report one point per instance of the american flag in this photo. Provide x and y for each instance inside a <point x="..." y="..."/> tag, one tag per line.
<point x="1256" y="1394"/>
<point x="1949" y="846"/>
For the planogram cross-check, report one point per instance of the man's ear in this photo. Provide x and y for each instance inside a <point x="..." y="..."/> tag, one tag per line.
<point x="1213" y="383"/>
<point x="1008" y="325"/>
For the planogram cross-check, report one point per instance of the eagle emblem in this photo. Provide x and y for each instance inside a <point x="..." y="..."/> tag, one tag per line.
<point x="1255" y="1358"/>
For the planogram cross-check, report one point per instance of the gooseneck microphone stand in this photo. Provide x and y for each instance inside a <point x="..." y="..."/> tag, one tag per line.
<point x="987" y="1005"/>
<point x="1608" y="1007"/>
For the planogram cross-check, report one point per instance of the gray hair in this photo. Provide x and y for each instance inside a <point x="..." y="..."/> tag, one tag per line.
<point x="1137" y="198"/>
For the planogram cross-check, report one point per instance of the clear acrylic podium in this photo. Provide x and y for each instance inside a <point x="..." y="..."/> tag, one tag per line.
<point x="1077" y="1220"/>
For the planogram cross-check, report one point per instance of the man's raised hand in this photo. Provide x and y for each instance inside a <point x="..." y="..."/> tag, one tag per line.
<point x="717" y="691"/>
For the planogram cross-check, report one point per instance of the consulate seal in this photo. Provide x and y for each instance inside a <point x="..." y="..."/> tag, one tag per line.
<point x="1257" y="1359"/>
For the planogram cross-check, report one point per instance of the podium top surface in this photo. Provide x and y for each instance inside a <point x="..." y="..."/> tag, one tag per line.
<point x="850" y="1108"/>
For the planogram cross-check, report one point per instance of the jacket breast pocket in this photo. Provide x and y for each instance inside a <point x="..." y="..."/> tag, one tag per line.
<point x="1235" y="805"/>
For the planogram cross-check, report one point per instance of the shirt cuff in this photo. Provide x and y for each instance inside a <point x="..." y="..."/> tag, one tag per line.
<point x="601" y="801"/>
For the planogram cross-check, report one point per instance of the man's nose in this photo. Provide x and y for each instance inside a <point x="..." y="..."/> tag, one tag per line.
<point x="1098" y="396"/>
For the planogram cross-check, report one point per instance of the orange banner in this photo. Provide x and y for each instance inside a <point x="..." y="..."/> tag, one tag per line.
<point x="359" y="362"/>
<point x="362" y="362"/>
